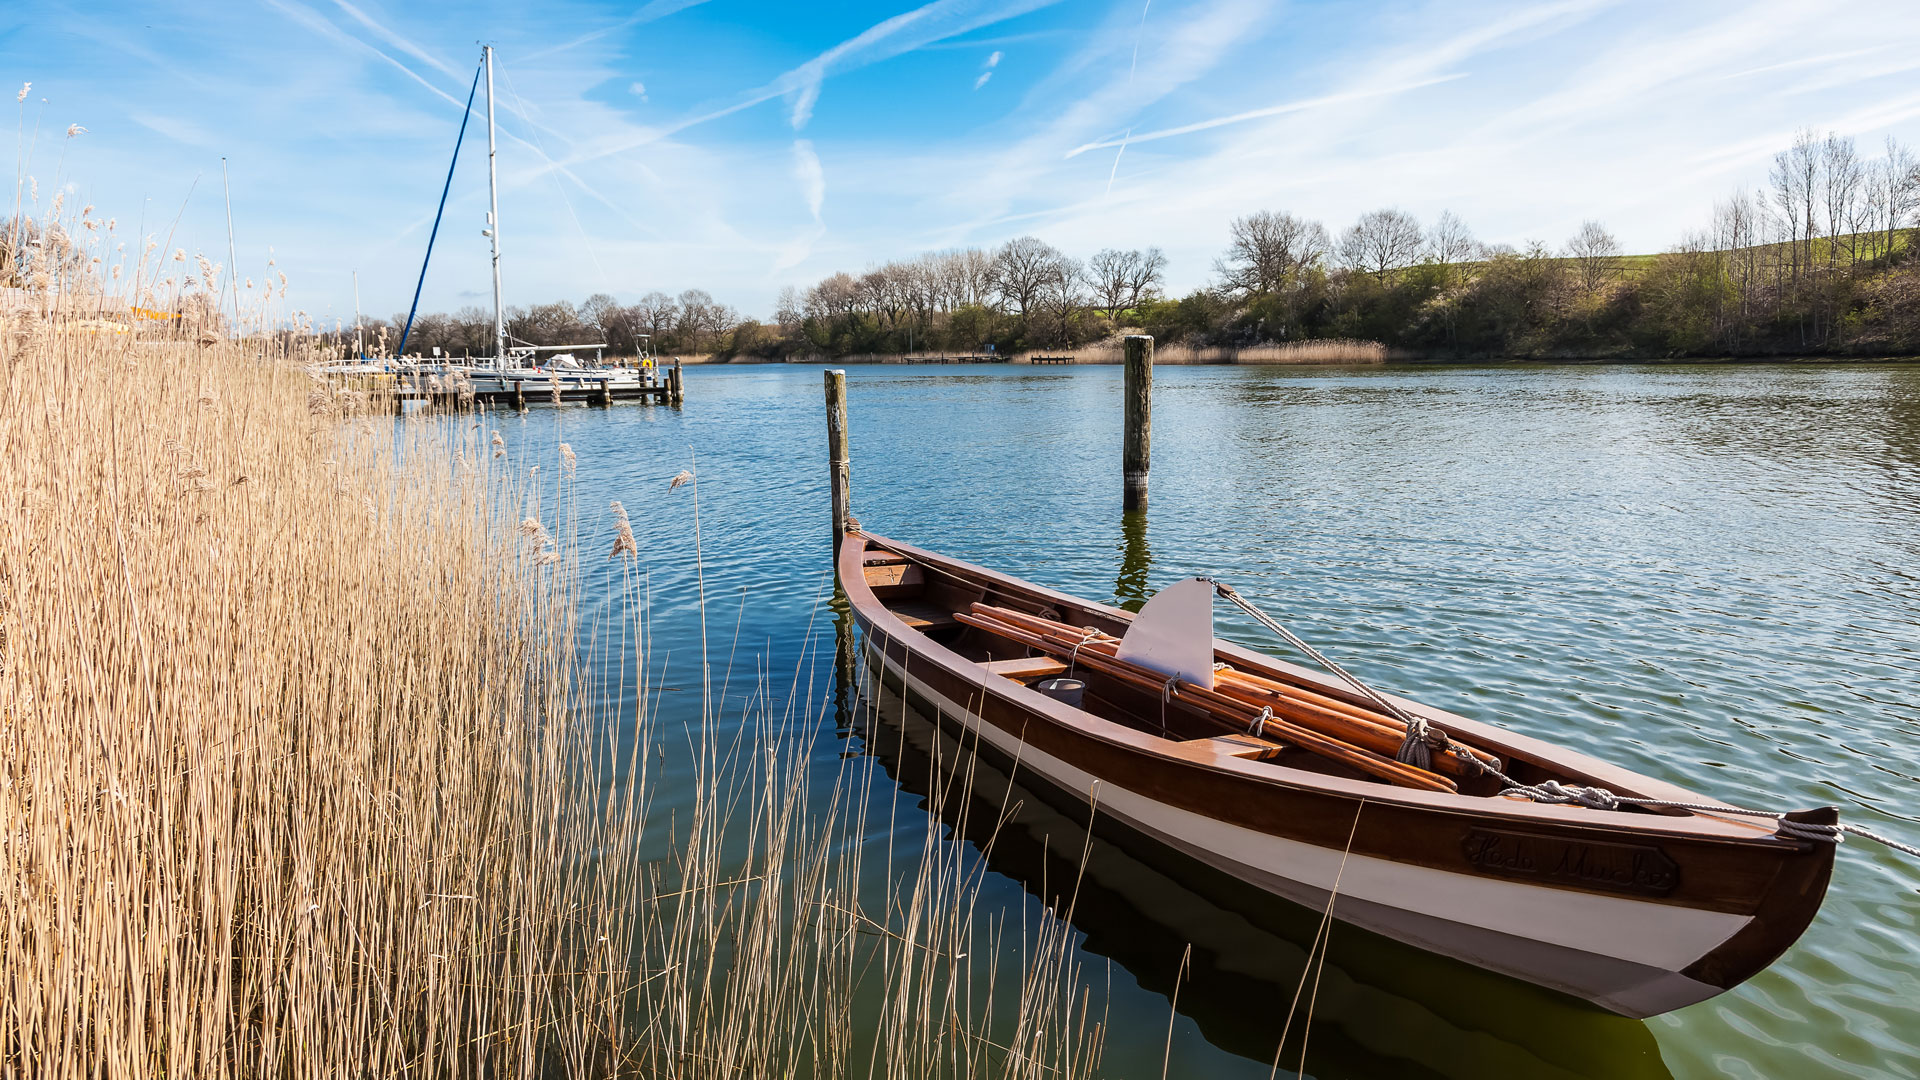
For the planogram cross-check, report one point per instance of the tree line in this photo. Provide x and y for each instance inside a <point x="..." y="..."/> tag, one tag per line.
<point x="1816" y="261"/>
<point x="692" y="322"/>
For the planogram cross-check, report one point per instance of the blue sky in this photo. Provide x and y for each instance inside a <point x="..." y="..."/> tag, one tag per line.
<point x="741" y="145"/>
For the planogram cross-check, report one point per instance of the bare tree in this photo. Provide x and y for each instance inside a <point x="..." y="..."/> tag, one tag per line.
<point x="598" y="309"/>
<point x="1794" y="178"/>
<point x="1149" y="272"/>
<point x="1268" y="253"/>
<point x="696" y="317"/>
<point x="656" y="314"/>
<point x="1893" y="192"/>
<point x="1381" y="242"/>
<point x="1841" y="175"/>
<point x="1023" y="268"/>
<point x="1596" y="255"/>
<point x="1061" y="298"/>
<point x="833" y="297"/>
<point x="789" y="311"/>
<point x="1450" y="242"/>
<point x="1737" y="225"/>
<point x="1123" y="280"/>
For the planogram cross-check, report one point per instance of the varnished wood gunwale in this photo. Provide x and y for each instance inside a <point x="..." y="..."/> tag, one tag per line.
<point x="1726" y="864"/>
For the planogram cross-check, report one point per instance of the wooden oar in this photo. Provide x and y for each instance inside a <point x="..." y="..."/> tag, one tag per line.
<point x="1328" y="715"/>
<point x="1237" y="716"/>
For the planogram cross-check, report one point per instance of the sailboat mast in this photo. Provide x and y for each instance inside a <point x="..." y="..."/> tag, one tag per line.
<point x="493" y="221"/>
<point x="359" y="347"/>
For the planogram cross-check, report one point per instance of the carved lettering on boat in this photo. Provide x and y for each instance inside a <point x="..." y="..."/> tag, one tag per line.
<point x="1636" y="869"/>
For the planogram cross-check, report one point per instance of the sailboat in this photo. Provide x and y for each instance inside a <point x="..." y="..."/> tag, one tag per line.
<point x="556" y="370"/>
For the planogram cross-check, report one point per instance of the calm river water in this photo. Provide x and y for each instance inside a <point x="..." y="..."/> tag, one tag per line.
<point x="1707" y="573"/>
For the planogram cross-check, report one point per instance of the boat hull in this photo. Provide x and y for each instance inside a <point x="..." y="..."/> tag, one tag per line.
<point x="1637" y="925"/>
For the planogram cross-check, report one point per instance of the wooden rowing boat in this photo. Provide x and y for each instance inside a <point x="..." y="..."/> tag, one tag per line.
<point x="1284" y="777"/>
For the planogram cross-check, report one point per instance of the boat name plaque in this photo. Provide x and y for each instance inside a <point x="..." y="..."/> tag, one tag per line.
<point x="1635" y="869"/>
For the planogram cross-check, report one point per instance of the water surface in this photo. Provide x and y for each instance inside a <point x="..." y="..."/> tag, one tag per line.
<point x="1710" y="574"/>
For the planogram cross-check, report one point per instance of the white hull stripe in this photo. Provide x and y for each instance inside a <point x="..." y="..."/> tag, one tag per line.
<point x="1661" y="936"/>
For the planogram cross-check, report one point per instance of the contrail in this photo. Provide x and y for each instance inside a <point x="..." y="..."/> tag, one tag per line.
<point x="1272" y="110"/>
<point x="1131" y="65"/>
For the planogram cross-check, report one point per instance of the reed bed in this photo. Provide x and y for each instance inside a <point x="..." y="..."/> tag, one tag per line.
<point x="303" y="772"/>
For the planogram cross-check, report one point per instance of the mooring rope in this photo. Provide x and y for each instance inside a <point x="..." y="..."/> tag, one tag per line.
<point x="1090" y="634"/>
<point x="1422" y="740"/>
<point x="1599" y="798"/>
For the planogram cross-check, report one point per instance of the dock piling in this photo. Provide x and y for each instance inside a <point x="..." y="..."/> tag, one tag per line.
<point x="839" y="464"/>
<point x="1138" y="395"/>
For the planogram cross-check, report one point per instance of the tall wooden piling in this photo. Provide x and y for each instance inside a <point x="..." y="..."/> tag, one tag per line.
<point x="676" y="385"/>
<point x="1138" y="446"/>
<point x="839" y="463"/>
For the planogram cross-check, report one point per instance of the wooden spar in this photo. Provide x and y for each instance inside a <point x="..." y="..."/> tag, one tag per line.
<point x="1258" y="688"/>
<point x="1137" y="451"/>
<point x="1330" y="716"/>
<point x="839" y="464"/>
<point x="1238" y="716"/>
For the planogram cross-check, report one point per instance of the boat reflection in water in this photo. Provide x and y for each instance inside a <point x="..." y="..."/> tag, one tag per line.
<point x="1380" y="1008"/>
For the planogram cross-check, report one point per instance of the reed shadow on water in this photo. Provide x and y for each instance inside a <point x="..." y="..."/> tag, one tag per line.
<point x="1229" y="957"/>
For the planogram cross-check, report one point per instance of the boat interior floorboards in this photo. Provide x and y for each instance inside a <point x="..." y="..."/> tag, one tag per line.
<point x="927" y="598"/>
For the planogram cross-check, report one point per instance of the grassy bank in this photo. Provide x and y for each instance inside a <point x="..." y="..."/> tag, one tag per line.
<point x="300" y="774"/>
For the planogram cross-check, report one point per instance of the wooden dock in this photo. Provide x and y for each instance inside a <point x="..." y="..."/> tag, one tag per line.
<point x="437" y="391"/>
<point x="1049" y="359"/>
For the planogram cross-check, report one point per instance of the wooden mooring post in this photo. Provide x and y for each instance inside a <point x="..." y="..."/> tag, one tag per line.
<point x="839" y="463"/>
<point x="676" y="386"/>
<point x="1137" y="451"/>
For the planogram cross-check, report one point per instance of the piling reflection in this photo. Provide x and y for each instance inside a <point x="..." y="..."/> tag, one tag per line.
<point x="1135" y="560"/>
<point x="1380" y="1009"/>
<point x="846" y="688"/>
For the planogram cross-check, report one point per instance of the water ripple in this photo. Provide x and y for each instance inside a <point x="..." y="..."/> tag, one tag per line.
<point x="1706" y="573"/>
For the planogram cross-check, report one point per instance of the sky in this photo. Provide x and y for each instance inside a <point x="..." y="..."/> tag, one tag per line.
<point x="740" y="146"/>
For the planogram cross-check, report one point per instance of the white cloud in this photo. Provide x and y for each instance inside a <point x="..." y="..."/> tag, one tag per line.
<point x="812" y="178"/>
<point x="904" y="32"/>
<point x="982" y="80"/>
<point x="184" y="131"/>
<point x="638" y="89"/>
<point x="994" y="60"/>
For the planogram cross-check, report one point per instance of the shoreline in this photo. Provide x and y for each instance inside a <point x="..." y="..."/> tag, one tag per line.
<point x="1103" y="360"/>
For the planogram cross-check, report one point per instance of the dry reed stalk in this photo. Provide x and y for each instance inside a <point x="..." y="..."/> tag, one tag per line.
<point x="300" y="774"/>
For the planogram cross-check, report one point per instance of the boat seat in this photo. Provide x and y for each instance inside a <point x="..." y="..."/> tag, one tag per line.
<point x="1238" y="746"/>
<point x="881" y="557"/>
<point x="895" y="579"/>
<point x="1024" y="668"/>
<point x="923" y="616"/>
